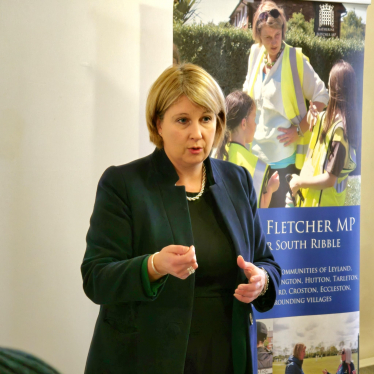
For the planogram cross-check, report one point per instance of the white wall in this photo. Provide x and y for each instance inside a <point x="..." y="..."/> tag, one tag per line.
<point x="74" y="75"/>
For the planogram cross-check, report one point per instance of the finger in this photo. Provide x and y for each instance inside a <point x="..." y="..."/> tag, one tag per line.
<point x="248" y="266"/>
<point x="283" y="139"/>
<point x="190" y="253"/>
<point x="179" y="249"/>
<point x="246" y="289"/>
<point x="282" y="129"/>
<point x="255" y="278"/>
<point x="243" y="299"/>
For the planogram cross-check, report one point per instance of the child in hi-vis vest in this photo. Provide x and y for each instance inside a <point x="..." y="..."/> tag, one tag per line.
<point x="331" y="155"/>
<point x="241" y="126"/>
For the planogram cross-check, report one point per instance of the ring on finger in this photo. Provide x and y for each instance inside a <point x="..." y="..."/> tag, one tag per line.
<point x="191" y="270"/>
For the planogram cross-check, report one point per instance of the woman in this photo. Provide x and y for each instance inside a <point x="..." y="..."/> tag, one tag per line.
<point x="346" y="367"/>
<point x="282" y="130"/>
<point x="173" y="236"/>
<point x="295" y="361"/>
<point x="241" y="126"/>
<point x="331" y="156"/>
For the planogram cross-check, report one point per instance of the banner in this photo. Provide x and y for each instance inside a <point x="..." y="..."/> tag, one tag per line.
<point x="315" y="236"/>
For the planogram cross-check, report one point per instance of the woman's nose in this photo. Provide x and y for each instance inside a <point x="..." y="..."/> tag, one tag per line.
<point x="195" y="130"/>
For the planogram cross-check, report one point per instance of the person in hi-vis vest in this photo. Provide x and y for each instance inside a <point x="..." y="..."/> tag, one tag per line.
<point x="331" y="155"/>
<point x="279" y="80"/>
<point x="240" y="128"/>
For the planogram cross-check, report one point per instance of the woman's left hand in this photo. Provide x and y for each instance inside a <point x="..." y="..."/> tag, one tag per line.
<point x="289" y="135"/>
<point x="248" y="292"/>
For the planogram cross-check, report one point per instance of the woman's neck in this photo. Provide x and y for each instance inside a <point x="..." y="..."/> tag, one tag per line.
<point x="238" y="138"/>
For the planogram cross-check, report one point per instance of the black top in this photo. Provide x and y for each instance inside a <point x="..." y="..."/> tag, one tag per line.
<point x="209" y="348"/>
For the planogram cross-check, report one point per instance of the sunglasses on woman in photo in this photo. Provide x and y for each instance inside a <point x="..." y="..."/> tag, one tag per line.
<point x="265" y="15"/>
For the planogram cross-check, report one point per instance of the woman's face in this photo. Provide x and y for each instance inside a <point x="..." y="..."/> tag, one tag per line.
<point x="343" y="355"/>
<point x="302" y="354"/>
<point x="271" y="39"/>
<point x="188" y="132"/>
<point x="251" y="125"/>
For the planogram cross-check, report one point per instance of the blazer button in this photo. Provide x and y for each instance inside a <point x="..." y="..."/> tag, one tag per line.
<point x="173" y="330"/>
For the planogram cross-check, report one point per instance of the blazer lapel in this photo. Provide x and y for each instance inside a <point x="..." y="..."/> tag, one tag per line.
<point x="174" y="199"/>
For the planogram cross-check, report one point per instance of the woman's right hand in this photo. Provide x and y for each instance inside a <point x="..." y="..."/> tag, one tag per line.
<point x="175" y="260"/>
<point x="324" y="371"/>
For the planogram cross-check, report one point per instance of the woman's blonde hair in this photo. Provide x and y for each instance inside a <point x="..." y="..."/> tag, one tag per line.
<point x="297" y="349"/>
<point x="275" y="23"/>
<point x="191" y="81"/>
<point x="348" y="355"/>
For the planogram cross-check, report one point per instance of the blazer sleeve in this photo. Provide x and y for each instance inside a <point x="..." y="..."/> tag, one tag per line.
<point x="263" y="256"/>
<point x="111" y="274"/>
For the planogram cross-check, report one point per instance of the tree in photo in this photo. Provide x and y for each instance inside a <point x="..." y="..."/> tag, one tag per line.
<point x="297" y="23"/>
<point x="352" y="27"/>
<point x="184" y="10"/>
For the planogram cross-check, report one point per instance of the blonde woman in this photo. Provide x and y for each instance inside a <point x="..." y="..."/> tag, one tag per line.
<point x="279" y="80"/>
<point x="295" y="361"/>
<point x="175" y="251"/>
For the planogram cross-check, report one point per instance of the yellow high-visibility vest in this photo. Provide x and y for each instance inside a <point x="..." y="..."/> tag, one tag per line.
<point x="317" y="157"/>
<point x="258" y="169"/>
<point x="291" y="84"/>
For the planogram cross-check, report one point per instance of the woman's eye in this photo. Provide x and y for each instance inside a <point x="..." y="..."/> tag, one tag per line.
<point x="182" y="120"/>
<point x="207" y="119"/>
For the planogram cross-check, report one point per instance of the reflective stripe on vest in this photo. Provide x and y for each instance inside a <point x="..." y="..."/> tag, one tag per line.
<point x="258" y="178"/>
<point x="292" y="94"/>
<point x="343" y="176"/>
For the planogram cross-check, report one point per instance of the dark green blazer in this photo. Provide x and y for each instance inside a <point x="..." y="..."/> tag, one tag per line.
<point x="138" y="211"/>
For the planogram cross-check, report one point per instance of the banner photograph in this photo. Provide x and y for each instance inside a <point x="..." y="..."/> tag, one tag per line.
<point x="292" y="75"/>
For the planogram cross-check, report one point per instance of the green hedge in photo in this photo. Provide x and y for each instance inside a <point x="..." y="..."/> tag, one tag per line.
<point x="224" y="51"/>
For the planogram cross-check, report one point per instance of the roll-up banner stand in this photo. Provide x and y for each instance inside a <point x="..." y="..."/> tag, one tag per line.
<point x="316" y="241"/>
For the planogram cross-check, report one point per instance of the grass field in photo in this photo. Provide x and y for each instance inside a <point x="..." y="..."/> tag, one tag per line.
<point x="315" y="366"/>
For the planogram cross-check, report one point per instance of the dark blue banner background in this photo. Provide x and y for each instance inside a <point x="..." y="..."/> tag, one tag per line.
<point x="318" y="250"/>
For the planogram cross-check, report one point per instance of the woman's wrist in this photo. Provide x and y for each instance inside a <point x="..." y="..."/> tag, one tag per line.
<point x="266" y="284"/>
<point x="154" y="272"/>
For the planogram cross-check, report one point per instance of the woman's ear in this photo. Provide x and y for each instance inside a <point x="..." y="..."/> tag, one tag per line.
<point x="159" y="126"/>
<point x="243" y="123"/>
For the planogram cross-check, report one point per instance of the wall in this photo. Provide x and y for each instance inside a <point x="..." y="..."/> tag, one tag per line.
<point x="74" y="75"/>
<point x="367" y="202"/>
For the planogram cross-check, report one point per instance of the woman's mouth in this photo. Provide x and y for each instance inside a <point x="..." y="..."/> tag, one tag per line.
<point x="195" y="150"/>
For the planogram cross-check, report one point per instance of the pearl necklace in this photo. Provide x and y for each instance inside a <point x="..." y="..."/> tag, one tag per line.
<point x="202" y="187"/>
<point x="271" y="64"/>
